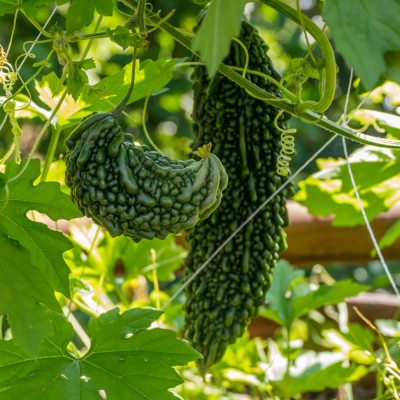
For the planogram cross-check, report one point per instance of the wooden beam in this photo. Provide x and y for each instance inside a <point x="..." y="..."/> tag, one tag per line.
<point x="313" y="240"/>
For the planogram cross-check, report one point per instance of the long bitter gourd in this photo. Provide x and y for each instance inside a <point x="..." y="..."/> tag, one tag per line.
<point x="130" y="190"/>
<point x="226" y="295"/>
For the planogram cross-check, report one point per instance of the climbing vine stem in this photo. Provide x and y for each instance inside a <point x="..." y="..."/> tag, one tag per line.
<point x="310" y="115"/>
<point x="328" y="91"/>
<point x="49" y="155"/>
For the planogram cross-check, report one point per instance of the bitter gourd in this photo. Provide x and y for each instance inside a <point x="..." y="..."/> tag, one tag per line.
<point x="130" y="190"/>
<point x="223" y="298"/>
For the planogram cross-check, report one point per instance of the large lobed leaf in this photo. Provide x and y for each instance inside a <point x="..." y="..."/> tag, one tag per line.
<point x="330" y="191"/>
<point x="46" y="246"/>
<point x="152" y="76"/>
<point x="290" y="296"/>
<point x="365" y="31"/>
<point x="24" y="295"/>
<point x="81" y="12"/>
<point x="106" y="94"/>
<point x="126" y="360"/>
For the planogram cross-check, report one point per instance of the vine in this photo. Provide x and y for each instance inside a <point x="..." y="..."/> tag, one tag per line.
<point x="108" y="273"/>
<point x="308" y="109"/>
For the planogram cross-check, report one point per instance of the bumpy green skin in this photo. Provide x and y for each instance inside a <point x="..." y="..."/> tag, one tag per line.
<point x="226" y="295"/>
<point x="129" y="190"/>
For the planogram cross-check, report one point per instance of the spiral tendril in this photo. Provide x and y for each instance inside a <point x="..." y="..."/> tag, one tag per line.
<point x="287" y="148"/>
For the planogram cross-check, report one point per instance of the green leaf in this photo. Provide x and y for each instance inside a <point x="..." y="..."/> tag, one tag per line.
<point x="8" y="6"/>
<point x="390" y="237"/>
<point x="87" y="63"/>
<point x="325" y="294"/>
<point x="389" y="122"/>
<point x="363" y="31"/>
<point x="309" y="372"/>
<point x="77" y="78"/>
<point x="151" y="77"/>
<point x="104" y="7"/>
<point x="120" y="35"/>
<point x="136" y="257"/>
<point x="57" y="174"/>
<point x="220" y="24"/>
<point x="79" y="14"/>
<point x="282" y="278"/>
<point x="125" y="38"/>
<point x="318" y="371"/>
<point x="31" y="6"/>
<point x="299" y="72"/>
<point x="290" y="296"/>
<point x="46" y="246"/>
<point x="125" y="359"/>
<point x="330" y="191"/>
<point x="24" y="296"/>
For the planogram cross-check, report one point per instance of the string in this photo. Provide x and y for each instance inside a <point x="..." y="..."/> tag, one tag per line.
<point x="357" y="194"/>
<point x="220" y="248"/>
<point x="37" y="39"/>
<point x="27" y="55"/>
<point x="252" y="215"/>
<point x="367" y="224"/>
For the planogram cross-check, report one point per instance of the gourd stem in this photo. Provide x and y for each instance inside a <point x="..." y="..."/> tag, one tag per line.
<point x="311" y="116"/>
<point x="55" y="136"/>
<point x="123" y="103"/>
<point x="52" y="115"/>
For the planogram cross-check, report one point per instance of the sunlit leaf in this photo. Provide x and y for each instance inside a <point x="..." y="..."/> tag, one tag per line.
<point x="364" y="32"/>
<point x="126" y="360"/>
<point x="330" y="192"/>
<point x="46" y="246"/>
<point x="80" y="13"/>
<point x="220" y="24"/>
<point x="24" y="296"/>
<point x="150" y="77"/>
<point x="282" y="278"/>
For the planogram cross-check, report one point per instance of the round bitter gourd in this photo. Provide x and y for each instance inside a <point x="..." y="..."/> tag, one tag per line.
<point x="130" y="190"/>
<point x="223" y="298"/>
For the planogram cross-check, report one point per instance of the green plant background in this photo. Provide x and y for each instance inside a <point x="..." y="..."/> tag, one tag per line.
<point x="107" y="273"/>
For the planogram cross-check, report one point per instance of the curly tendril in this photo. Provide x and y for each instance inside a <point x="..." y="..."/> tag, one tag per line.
<point x="287" y="150"/>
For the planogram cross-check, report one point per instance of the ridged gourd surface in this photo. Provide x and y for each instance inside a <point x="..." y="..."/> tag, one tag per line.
<point x="223" y="298"/>
<point x="136" y="192"/>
